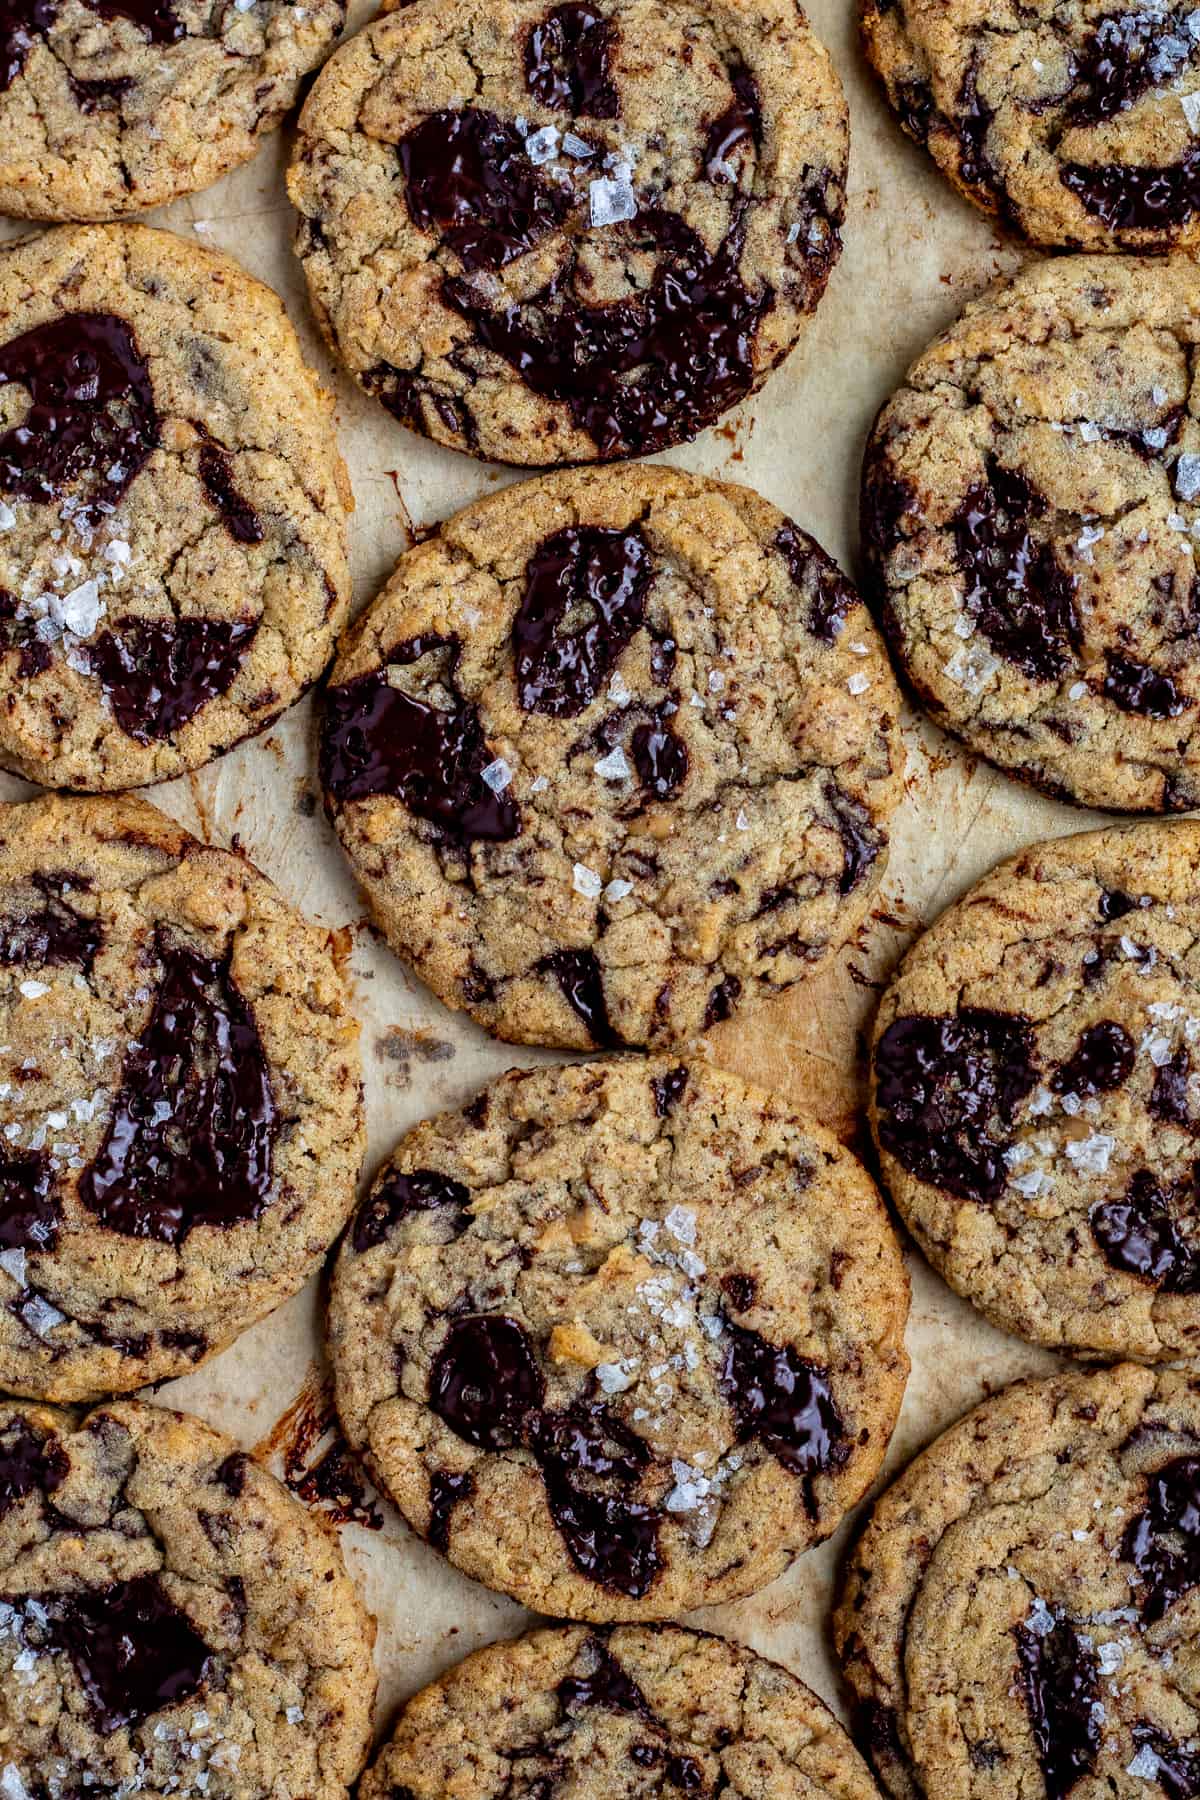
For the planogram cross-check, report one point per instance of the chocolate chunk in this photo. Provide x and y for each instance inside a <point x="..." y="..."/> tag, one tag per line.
<point x="608" y="1686"/>
<point x="689" y="335"/>
<point x="231" y="1474"/>
<point x="20" y="24"/>
<point x="590" y="1461"/>
<point x="1137" y="197"/>
<point x="1021" y="600"/>
<point x="31" y="1462"/>
<point x="1177" y="1770"/>
<point x="155" y="17"/>
<point x="378" y="739"/>
<point x="740" y="123"/>
<point x="241" y="521"/>
<point x="585" y="596"/>
<point x="1169" y="1095"/>
<point x="860" y="839"/>
<point x="21" y="635"/>
<point x="424" y="1190"/>
<point x="721" y="1001"/>
<point x="99" y="95"/>
<point x="659" y="756"/>
<point x="1115" y="905"/>
<point x="739" y="1290"/>
<point x="158" y="674"/>
<point x="577" y="973"/>
<point x="49" y="935"/>
<point x="1135" y="688"/>
<point x="1121" y="58"/>
<point x="1060" y="1680"/>
<point x="468" y="179"/>
<point x="1141" y="1234"/>
<point x="833" y="599"/>
<point x="192" y="1130"/>
<point x="91" y="411"/>
<point x="946" y="1089"/>
<point x="485" y="1380"/>
<point x="566" y="62"/>
<point x="30" y="1210"/>
<point x="1163" y="1543"/>
<point x="786" y="1402"/>
<point x="1101" y="1061"/>
<point x="667" y="1089"/>
<point x="446" y="1490"/>
<point x="133" y="1649"/>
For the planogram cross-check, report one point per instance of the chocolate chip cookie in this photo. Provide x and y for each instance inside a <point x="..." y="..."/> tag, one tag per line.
<point x="172" y="508"/>
<point x="637" y="1711"/>
<point x="108" y="107"/>
<point x="612" y="753"/>
<point x="620" y="1338"/>
<point x="1036" y="1093"/>
<point x="1019" y="1617"/>
<point x="180" y="1114"/>
<point x="1074" y="124"/>
<point x="1031" y="517"/>
<point x="172" y="1621"/>
<point x="560" y="233"/>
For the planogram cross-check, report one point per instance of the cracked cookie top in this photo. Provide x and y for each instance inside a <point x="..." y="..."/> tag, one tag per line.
<point x="1036" y="1093"/>
<point x="612" y="753"/>
<point x="620" y="1338"/>
<point x="1020" y="1616"/>
<point x="172" y="1621"/>
<point x="628" y="1713"/>
<point x="109" y="107"/>
<point x="561" y="233"/>
<point x="1031" y="517"/>
<point x="1076" y="125"/>
<point x="181" y="1098"/>
<point x="172" y="509"/>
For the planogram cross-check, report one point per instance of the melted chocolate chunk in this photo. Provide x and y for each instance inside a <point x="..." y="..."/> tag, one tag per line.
<point x="1115" y="905"/>
<point x="241" y="521"/>
<point x="30" y="1463"/>
<point x="1163" y="1543"/>
<point x="485" y="1381"/>
<point x="608" y="1685"/>
<point x="1138" y="689"/>
<point x="335" y="1486"/>
<point x="585" y="597"/>
<point x="425" y="1190"/>
<point x="946" y="1087"/>
<point x="739" y="1290"/>
<point x="684" y="1772"/>
<point x="20" y="24"/>
<point x="133" y="1650"/>
<point x="158" y="674"/>
<point x="1137" y="197"/>
<point x="1124" y="56"/>
<point x="786" y="1402"/>
<point x="690" y="335"/>
<point x="1169" y="1095"/>
<point x="721" y="1001"/>
<point x="1178" y="1770"/>
<point x="155" y="17"/>
<point x="834" y="600"/>
<point x="667" y="1089"/>
<point x="377" y="739"/>
<point x="1141" y="1234"/>
<point x="577" y="973"/>
<point x="740" y="123"/>
<point x="566" y="62"/>
<point x="91" y="411"/>
<point x="30" y="1211"/>
<point x="21" y="635"/>
<point x="1022" y="601"/>
<point x="192" y="1131"/>
<point x="1101" y="1061"/>
<point x="445" y="1491"/>
<point x="52" y="934"/>
<point x="860" y="840"/>
<point x="99" y="95"/>
<point x="1060" y="1680"/>
<point x="659" y="756"/>
<point x="469" y="180"/>
<point x="589" y="1461"/>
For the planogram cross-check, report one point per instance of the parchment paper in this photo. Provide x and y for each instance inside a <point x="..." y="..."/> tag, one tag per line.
<point x="914" y="253"/>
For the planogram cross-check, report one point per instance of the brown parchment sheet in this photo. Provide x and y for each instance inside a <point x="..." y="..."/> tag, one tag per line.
<point x="914" y="253"/>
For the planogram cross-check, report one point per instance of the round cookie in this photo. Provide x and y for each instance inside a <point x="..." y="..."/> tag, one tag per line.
<point x="559" y="233"/>
<point x="172" y="508"/>
<point x="1075" y="124"/>
<point x="1031" y="515"/>
<point x="108" y="107"/>
<point x="182" y="1111"/>
<point x="638" y="1711"/>
<point x="1036" y="1093"/>
<point x="1019" y="1617"/>
<point x="172" y="1621"/>
<point x="610" y="754"/>
<point x="620" y="1338"/>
